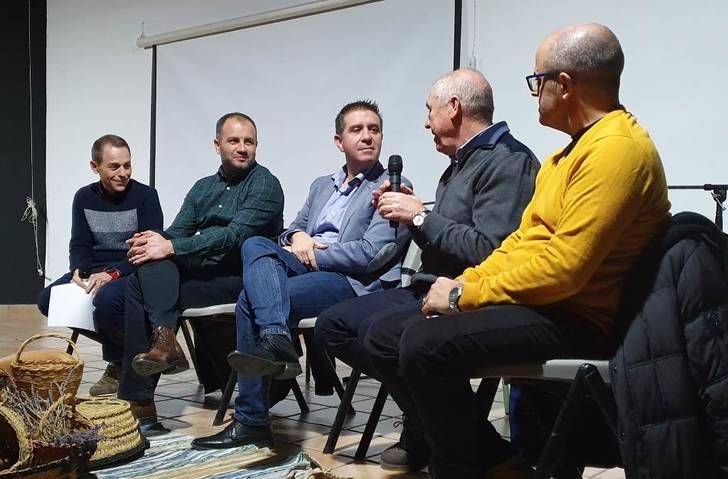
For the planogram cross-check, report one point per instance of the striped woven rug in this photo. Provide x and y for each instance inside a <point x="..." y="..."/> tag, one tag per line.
<point x="170" y="457"/>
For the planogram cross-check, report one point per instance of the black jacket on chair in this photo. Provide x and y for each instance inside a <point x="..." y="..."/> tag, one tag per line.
<point x="670" y="374"/>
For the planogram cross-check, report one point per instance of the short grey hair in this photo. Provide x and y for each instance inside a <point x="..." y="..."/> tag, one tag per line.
<point x="472" y="90"/>
<point x="588" y="49"/>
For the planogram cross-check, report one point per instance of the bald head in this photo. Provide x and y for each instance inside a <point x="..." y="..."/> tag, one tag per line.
<point x="589" y="49"/>
<point x="471" y="89"/>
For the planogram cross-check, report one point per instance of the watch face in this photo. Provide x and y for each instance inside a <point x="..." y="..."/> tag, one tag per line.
<point x="419" y="219"/>
<point x="454" y="298"/>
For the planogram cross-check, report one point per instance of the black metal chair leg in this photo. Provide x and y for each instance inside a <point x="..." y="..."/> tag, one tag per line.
<point x="487" y="390"/>
<point x="338" y="387"/>
<point x="227" y="394"/>
<point x="554" y="447"/>
<point x="603" y="396"/>
<point x="341" y="413"/>
<point x="366" y="438"/>
<point x="184" y="326"/>
<point x="309" y="351"/>
<point x="74" y="338"/>
<point x="299" y="396"/>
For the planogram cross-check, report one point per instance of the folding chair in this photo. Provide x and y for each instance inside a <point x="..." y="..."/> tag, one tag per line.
<point x="223" y="311"/>
<point x="588" y="378"/>
<point x="410" y="265"/>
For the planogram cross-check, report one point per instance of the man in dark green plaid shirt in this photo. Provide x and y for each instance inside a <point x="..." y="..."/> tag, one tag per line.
<point x="195" y="262"/>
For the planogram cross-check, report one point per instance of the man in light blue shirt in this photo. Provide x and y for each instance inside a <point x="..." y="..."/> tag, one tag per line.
<point x="332" y="215"/>
<point x="337" y="248"/>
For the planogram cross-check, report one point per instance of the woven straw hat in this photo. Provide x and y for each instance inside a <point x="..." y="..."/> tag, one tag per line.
<point x="119" y="436"/>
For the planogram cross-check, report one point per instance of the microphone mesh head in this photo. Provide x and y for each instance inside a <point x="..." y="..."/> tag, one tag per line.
<point x="395" y="164"/>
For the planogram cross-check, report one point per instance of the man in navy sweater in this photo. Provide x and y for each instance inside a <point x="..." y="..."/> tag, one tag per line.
<point x="105" y="215"/>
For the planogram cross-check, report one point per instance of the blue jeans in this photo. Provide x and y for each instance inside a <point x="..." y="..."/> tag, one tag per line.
<point x="278" y="290"/>
<point x="108" y="315"/>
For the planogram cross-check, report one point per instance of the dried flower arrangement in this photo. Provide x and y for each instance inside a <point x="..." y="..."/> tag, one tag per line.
<point x="47" y="421"/>
<point x="53" y="427"/>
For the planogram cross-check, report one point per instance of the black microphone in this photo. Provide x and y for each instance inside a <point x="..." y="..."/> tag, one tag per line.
<point x="395" y="178"/>
<point x="84" y="271"/>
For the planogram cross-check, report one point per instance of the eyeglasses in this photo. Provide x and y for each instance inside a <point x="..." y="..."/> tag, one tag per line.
<point x="534" y="80"/>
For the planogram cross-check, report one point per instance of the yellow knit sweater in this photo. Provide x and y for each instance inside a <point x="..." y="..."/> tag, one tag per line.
<point x="595" y="208"/>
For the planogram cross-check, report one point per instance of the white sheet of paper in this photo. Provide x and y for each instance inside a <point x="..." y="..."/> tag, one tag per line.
<point x="71" y="307"/>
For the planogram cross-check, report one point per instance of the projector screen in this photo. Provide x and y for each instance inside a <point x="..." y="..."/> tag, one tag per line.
<point x="293" y="78"/>
<point x="675" y="60"/>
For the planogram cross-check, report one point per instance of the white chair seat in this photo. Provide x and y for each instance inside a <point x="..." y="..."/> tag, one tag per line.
<point x="558" y="369"/>
<point x="208" y="311"/>
<point x="306" y="323"/>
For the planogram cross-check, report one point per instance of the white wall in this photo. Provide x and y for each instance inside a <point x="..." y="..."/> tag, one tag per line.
<point x="98" y="81"/>
<point x="675" y="65"/>
<point x="294" y="86"/>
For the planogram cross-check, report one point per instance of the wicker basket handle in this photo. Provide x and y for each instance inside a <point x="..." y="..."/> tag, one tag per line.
<point x="47" y="335"/>
<point x="65" y="398"/>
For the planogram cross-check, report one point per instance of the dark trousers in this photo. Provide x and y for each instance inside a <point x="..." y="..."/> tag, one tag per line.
<point x="341" y="328"/>
<point x="426" y="365"/>
<point x="154" y="295"/>
<point x="108" y="315"/>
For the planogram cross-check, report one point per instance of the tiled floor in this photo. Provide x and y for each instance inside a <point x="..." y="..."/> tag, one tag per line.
<point x="186" y="409"/>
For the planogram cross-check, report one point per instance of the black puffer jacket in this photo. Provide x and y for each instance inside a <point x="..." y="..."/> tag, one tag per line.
<point x="670" y="376"/>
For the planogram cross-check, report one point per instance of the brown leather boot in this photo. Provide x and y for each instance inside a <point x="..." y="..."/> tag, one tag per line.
<point x="165" y="355"/>
<point x="146" y="413"/>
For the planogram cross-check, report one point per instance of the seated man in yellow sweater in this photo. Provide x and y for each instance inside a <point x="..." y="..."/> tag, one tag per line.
<point x="553" y="286"/>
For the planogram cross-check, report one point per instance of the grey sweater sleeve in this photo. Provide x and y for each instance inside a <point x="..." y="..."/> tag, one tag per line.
<point x="501" y="191"/>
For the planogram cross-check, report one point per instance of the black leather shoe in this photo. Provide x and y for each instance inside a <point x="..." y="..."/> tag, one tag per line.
<point x="146" y="413"/>
<point x="274" y="355"/>
<point x="152" y="428"/>
<point x="411" y="453"/>
<point x="236" y="434"/>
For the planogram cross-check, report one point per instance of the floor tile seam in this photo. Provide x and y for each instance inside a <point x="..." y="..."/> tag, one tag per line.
<point x="163" y="416"/>
<point x="358" y="463"/>
<point x="336" y="406"/>
<point x="181" y="398"/>
<point x="290" y="416"/>
<point x="325" y="425"/>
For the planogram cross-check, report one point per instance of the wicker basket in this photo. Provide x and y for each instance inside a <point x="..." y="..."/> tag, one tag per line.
<point x="46" y="374"/>
<point x="119" y="433"/>
<point x="70" y="467"/>
<point x="23" y="454"/>
<point x="15" y="446"/>
<point x="5" y="381"/>
<point x="45" y="451"/>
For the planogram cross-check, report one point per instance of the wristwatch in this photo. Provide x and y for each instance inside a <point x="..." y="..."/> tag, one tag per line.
<point x="114" y="273"/>
<point x="453" y="299"/>
<point x="419" y="219"/>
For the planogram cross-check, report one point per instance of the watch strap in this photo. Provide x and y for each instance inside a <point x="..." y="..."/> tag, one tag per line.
<point x="114" y="273"/>
<point x="454" y="299"/>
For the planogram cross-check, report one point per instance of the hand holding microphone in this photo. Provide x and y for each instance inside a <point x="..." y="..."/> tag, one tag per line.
<point x="395" y="201"/>
<point x="394" y="183"/>
<point x="395" y="179"/>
